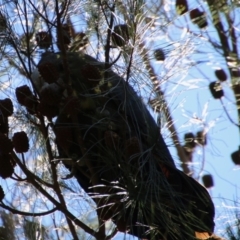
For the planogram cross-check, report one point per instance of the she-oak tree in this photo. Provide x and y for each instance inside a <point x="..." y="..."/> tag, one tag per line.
<point x="85" y="116"/>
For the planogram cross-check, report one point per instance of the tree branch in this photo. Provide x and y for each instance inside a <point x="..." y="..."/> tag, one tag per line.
<point x="15" y="211"/>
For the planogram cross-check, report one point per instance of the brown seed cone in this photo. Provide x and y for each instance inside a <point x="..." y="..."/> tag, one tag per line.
<point x="195" y="13"/>
<point x="221" y="75"/>
<point x="4" y="127"/>
<point x="132" y="146"/>
<point x="3" y="23"/>
<point x="22" y="93"/>
<point x="6" y="145"/>
<point x="20" y="142"/>
<point x="181" y="6"/>
<point x="236" y="157"/>
<point x="201" y="138"/>
<point x="235" y="72"/>
<point x="1" y="193"/>
<point x="198" y="18"/>
<point x="216" y="90"/>
<point x="43" y="39"/>
<point x="112" y="139"/>
<point x="190" y="140"/>
<point x="6" y="107"/>
<point x="236" y="88"/>
<point x="50" y="95"/>
<point x="92" y="74"/>
<point x="207" y="181"/>
<point x="6" y="168"/>
<point x="48" y="72"/>
<point x="48" y="110"/>
<point x="159" y="54"/>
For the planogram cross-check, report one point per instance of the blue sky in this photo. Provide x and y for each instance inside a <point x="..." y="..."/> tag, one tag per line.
<point x="188" y="103"/>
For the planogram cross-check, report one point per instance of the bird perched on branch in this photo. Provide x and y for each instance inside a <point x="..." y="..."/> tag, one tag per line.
<point x="118" y="152"/>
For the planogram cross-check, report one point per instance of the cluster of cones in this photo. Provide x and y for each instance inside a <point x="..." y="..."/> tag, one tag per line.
<point x="19" y="141"/>
<point x="66" y="37"/>
<point x="53" y="94"/>
<point x="196" y="15"/>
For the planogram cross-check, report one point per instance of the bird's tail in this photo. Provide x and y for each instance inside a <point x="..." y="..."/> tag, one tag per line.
<point x="207" y="236"/>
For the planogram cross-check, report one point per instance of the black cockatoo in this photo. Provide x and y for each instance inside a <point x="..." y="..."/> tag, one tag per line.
<point x="117" y="151"/>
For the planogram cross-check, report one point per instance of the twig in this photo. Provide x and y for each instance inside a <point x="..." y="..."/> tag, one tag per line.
<point x="166" y="110"/>
<point x="40" y="14"/>
<point x="15" y="211"/>
<point x="58" y="205"/>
